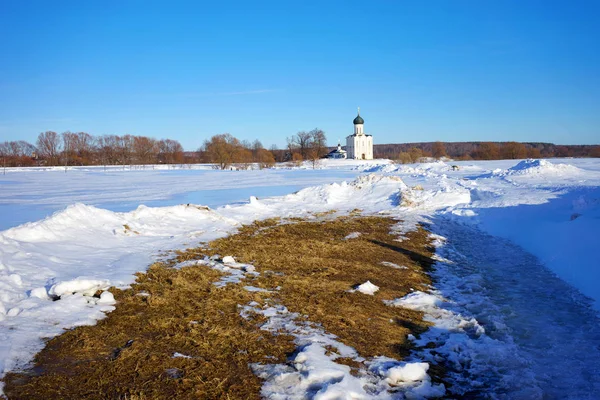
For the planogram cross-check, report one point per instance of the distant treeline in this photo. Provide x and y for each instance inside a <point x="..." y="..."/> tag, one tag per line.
<point x="80" y="148"/>
<point x="224" y="150"/>
<point x="411" y="152"/>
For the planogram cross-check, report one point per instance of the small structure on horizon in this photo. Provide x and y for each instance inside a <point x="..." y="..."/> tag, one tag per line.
<point x="337" y="153"/>
<point x="359" y="145"/>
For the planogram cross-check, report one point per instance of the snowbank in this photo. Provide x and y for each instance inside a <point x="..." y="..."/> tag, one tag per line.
<point x="533" y="166"/>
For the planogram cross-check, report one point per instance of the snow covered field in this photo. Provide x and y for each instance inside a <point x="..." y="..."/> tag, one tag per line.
<point x="517" y="283"/>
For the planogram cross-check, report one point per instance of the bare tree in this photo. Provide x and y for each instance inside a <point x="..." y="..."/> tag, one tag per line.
<point x="487" y="151"/>
<point x="256" y="147"/>
<point x="84" y="146"/>
<point x="514" y="150"/>
<point x="124" y="149"/>
<point x="533" y="152"/>
<point x="48" y="145"/>
<point x="243" y="156"/>
<point x="438" y="150"/>
<point x="277" y="153"/>
<point x="4" y="149"/>
<point x="317" y="146"/>
<point x="300" y="141"/>
<point x="170" y="151"/>
<point x="404" y="157"/>
<point x="145" y="150"/>
<point x="222" y="150"/>
<point x="107" y="149"/>
<point x="68" y="146"/>
<point x="415" y="154"/>
<point x="265" y="158"/>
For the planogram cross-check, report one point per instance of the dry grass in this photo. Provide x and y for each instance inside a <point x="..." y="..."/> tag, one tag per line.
<point x="317" y="268"/>
<point x="128" y="355"/>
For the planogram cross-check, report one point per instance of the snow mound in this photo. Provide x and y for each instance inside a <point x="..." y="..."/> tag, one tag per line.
<point x="443" y="196"/>
<point x="367" y="288"/>
<point x="85" y="286"/>
<point x="372" y="192"/>
<point x="106" y="298"/>
<point x="408" y="373"/>
<point x="419" y="301"/>
<point x="387" y="168"/>
<point x="541" y="167"/>
<point x="411" y="377"/>
<point x="425" y="170"/>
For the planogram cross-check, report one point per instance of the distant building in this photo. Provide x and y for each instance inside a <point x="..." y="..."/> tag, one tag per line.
<point x="337" y="153"/>
<point x="358" y="145"/>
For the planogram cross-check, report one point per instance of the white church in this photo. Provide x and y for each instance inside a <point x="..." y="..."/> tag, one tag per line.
<point x="359" y="146"/>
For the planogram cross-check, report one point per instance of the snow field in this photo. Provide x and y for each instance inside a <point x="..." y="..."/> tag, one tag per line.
<point x="490" y="334"/>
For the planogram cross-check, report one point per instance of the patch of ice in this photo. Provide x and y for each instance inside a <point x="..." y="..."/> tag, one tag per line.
<point x="233" y="272"/>
<point x="179" y="355"/>
<point x="353" y="235"/>
<point x="256" y="289"/>
<point x="392" y="265"/>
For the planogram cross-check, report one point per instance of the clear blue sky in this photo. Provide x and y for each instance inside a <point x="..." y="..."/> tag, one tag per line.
<point x="445" y="70"/>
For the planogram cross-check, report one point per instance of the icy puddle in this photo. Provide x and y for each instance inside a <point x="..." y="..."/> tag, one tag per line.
<point x="543" y="338"/>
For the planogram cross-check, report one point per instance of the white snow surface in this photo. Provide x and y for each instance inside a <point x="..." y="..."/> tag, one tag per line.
<point x="517" y="283"/>
<point x="314" y="373"/>
<point x="367" y="288"/>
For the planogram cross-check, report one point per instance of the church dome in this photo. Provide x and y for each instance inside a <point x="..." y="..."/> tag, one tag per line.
<point x="358" y="120"/>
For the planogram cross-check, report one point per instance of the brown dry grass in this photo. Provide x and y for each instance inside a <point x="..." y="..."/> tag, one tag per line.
<point x="319" y="268"/>
<point x="184" y="313"/>
<point x="129" y="354"/>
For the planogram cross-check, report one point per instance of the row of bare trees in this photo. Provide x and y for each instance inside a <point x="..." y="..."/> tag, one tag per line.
<point x="310" y="146"/>
<point x="81" y="148"/>
<point x="413" y="152"/>
<point x="17" y="153"/>
<point x="226" y="151"/>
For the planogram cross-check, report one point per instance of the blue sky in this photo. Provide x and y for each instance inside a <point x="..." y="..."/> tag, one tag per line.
<point x="446" y="70"/>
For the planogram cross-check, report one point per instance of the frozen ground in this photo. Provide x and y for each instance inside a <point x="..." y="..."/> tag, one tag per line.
<point x="517" y="283"/>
